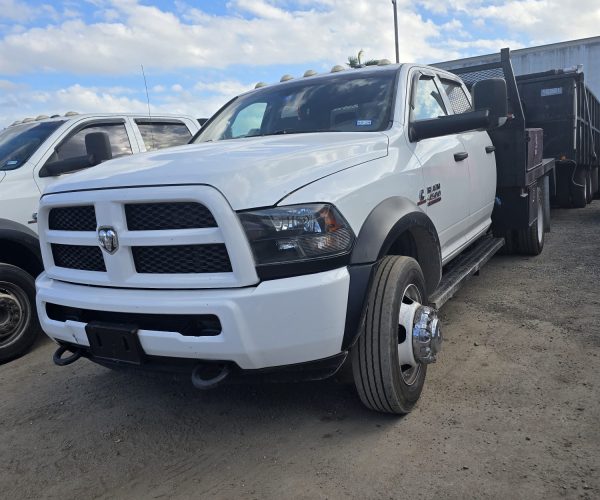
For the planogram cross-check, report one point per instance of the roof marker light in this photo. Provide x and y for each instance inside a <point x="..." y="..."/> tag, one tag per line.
<point x="384" y="62"/>
<point x="309" y="72"/>
<point x="286" y="78"/>
<point x="260" y="85"/>
<point x="337" y="68"/>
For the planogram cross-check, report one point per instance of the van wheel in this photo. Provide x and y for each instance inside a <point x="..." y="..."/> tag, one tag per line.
<point x="530" y="241"/>
<point x="386" y="375"/>
<point x="19" y="324"/>
<point x="579" y="188"/>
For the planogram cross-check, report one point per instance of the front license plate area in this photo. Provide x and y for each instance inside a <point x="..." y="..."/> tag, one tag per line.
<point x="115" y="342"/>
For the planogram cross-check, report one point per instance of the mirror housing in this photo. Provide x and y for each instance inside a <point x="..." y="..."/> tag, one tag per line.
<point x="97" y="146"/>
<point x="98" y="149"/>
<point x="491" y="94"/>
<point x="447" y="125"/>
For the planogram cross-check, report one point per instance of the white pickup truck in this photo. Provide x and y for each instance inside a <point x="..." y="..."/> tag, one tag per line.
<point x="34" y="153"/>
<point x="309" y="221"/>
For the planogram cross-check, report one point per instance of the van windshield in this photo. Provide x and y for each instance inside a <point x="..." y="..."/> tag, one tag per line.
<point x="19" y="142"/>
<point x="353" y="101"/>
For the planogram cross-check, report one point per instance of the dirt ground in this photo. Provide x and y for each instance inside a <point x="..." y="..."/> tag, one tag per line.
<point x="511" y="409"/>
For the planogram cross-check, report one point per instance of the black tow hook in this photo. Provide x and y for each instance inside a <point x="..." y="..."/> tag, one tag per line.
<point x="206" y="376"/>
<point x="60" y="361"/>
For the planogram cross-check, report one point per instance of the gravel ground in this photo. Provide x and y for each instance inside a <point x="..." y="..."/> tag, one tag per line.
<point x="511" y="409"/>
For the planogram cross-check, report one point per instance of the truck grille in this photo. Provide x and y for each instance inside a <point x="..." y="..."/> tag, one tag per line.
<point x="84" y="258"/>
<point x="174" y="237"/>
<point x="72" y="218"/>
<point x="157" y="216"/>
<point x="181" y="259"/>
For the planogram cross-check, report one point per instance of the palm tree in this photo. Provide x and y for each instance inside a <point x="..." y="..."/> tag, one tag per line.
<point x="356" y="62"/>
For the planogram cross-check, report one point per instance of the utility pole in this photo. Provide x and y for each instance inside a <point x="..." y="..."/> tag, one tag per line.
<point x="396" y="30"/>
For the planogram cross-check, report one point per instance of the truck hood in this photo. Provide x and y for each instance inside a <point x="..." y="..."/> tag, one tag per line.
<point x="251" y="172"/>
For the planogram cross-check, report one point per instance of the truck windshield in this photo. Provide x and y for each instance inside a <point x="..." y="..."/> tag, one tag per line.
<point x="354" y="101"/>
<point x="19" y="142"/>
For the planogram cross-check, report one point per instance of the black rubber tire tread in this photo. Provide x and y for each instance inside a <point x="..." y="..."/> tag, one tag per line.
<point x="595" y="191"/>
<point x="579" y="190"/>
<point x="26" y="282"/>
<point x="527" y="239"/>
<point x="563" y="186"/>
<point x="375" y="355"/>
<point x="588" y="192"/>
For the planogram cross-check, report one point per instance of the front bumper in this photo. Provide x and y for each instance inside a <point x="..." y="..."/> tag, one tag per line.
<point x="277" y="323"/>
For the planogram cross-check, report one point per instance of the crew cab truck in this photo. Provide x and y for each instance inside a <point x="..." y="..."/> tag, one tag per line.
<point x="309" y="221"/>
<point x="36" y="152"/>
<point x="561" y="104"/>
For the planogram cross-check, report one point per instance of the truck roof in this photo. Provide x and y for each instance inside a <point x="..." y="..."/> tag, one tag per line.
<point x="77" y="117"/>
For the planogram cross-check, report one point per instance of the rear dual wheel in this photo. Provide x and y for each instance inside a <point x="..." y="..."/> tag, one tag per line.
<point x="387" y="377"/>
<point x="530" y="241"/>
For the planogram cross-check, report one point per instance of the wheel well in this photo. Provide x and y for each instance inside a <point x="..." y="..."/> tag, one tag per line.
<point x="405" y="245"/>
<point x="20" y="256"/>
<point x="416" y="242"/>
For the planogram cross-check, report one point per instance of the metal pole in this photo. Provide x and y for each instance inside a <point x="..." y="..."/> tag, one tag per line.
<point x="396" y="30"/>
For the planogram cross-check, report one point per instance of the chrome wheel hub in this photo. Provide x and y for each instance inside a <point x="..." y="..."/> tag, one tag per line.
<point x="10" y="315"/>
<point x="420" y="335"/>
<point x="426" y="335"/>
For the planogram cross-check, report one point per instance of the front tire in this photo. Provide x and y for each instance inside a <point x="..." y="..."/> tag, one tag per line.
<point x="382" y="382"/>
<point x="19" y="324"/>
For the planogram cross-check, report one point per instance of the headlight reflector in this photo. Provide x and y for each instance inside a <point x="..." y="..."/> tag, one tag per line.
<point x="297" y="233"/>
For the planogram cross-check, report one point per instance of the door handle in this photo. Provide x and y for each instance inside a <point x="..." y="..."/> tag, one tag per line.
<point x="461" y="156"/>
<point x="490" y="149"/>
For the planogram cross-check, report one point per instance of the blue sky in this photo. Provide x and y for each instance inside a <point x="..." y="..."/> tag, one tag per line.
<point x="86" y="55"/>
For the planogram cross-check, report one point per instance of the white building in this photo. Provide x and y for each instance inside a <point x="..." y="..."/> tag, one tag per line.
<point x="585" y="51"/>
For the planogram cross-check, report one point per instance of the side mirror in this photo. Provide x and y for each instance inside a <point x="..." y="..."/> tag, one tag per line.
<point x="97" y="147"/>
<point x="448" y="125"/>
<point x="491" y="95"/>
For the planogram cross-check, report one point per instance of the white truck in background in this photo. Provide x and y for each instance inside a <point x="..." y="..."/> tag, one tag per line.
<point x="33" y="154"/>
<point x="310" y="221"/>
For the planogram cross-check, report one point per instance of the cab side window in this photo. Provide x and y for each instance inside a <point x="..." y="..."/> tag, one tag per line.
<point x="427" y="100"/>
<point x="160" y="135"/>
<point x="74" y="146"/>
<point x="459" y="100"/>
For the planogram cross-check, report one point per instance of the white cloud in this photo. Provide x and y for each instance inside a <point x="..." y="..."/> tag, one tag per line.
<point x="17" y="102"/>
<point x="328" y="32"/>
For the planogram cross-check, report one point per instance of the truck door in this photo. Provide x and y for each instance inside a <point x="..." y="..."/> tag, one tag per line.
<point x="72" y="145"/>
<point x="445" y="171"/>
<point x="481" y="161"/>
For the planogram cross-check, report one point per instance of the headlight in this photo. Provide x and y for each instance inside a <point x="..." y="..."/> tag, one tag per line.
<point x="297" y="233"/>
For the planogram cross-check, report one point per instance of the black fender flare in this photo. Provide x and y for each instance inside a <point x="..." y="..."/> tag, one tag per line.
<point x="382" y="227"/>
<point x="21" y="235"/>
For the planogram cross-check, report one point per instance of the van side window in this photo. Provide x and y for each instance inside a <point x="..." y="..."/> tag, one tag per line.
<point x="428" y="102"/>
<point x="74" y="146"/>
<point x="458" y="98"/>
<point x="160" y="135"/>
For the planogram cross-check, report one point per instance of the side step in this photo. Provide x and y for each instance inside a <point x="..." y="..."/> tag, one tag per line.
<point x="457" y="272"/>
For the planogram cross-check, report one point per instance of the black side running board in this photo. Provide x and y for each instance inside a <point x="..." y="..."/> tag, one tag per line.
<point x="463" y="267"/>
